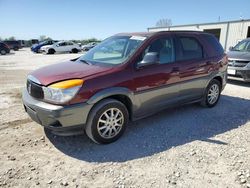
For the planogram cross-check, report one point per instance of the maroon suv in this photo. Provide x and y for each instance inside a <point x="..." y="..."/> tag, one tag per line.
<point x="126" y="77"/>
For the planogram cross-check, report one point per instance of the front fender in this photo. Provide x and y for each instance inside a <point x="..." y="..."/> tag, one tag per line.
<point x="111" y="92"/>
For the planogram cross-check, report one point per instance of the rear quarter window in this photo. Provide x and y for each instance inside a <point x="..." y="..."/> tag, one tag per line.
<point x="215" y="47"/>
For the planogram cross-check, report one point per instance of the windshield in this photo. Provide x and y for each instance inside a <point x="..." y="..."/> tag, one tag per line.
<point x="113" y="51"/>
<point x="242" y="46"/>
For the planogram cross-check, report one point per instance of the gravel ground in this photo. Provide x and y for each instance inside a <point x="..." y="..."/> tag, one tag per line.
<point x="189" y="146"/>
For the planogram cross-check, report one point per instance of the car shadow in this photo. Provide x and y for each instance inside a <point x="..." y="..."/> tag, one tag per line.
<point x="160" y="132"/>
<point x="239" y="83"/>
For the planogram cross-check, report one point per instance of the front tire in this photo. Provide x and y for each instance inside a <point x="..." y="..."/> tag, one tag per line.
<point x="107" y="121"/>
<point x="212" y="94"/>
<point x="3" y="52"/>
<point x="51" y="51"/>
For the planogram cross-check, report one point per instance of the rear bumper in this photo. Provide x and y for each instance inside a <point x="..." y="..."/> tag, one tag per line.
<point x="62" y="120"/>
<point x="242" y="73"/>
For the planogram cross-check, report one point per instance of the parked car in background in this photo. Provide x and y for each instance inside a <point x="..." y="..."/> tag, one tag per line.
<point x="88" y="46"/>
<point x="239" y="61"/>
<point x="36" y="47"/>
<point x="13" y="44"/>
<point x="139" y="75"/>
<point x="4" y="48"/>
<point x="22" y="43"/>
<point x="62" y="46"/>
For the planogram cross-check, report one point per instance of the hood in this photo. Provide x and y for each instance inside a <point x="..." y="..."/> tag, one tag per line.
<point x="46" y="46"/>
<point x="66" y="70"/>
<point x="244" y="56"/>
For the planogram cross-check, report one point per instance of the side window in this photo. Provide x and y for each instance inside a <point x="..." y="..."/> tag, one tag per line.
<point x="62" y="44"/>
<point x="165" y="49"/>
<point x="190" y="49"/>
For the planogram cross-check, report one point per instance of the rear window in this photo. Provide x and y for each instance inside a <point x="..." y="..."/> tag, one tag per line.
<point x="217" y="49"/>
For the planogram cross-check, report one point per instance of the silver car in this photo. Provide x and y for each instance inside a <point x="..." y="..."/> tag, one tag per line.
<point x="239" y="61"/>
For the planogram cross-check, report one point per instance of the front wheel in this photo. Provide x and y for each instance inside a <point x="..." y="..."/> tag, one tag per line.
<point x="3" y="52"/>
<point x="51" y="51"/>
<point x="212" y="94"/>
<point x="107" y="121"/>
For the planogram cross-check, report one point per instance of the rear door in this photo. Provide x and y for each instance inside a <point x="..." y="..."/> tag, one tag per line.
<point x="194" y="67"/>
<point x="156" y="86"/>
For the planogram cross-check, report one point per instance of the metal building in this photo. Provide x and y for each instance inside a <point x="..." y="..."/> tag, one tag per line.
<point x="229" y="33"/>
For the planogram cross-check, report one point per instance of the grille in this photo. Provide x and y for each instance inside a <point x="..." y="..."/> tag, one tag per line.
<point x="35" y="90"/>
<point x="234" y="63"/>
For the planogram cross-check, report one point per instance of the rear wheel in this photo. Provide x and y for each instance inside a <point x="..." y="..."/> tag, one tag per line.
<point x="3" y="52"/>
<point x="74" y="50"/>
<point x="107" y="121"/>
<point x="212" y="94"/>
<point x="15" y="48"/>
<point x="51" y="51"/>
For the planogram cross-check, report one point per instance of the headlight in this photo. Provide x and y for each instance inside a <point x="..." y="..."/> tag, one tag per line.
<point x="62" y="92"/>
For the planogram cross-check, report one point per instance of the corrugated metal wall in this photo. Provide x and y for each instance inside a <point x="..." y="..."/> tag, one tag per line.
<point x="231" y="32"/>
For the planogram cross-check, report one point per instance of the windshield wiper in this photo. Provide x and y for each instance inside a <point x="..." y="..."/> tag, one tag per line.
<point x="84" y="61"/>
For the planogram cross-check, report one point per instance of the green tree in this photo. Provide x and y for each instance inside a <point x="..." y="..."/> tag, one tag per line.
<point x="42" y="38"/>
<point x="11" y="38"/>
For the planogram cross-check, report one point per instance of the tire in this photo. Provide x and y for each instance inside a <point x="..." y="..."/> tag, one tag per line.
<point x="15" y="48"/>
<point x="212" y="94"/>
<point x="74" y="50"/>
<point x="3" y="52"/>
<point x="102" y="130"/>
<point x="51" y="51"/>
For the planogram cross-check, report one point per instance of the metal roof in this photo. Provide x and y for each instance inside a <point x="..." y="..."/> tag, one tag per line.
<point x="211" y="23"/>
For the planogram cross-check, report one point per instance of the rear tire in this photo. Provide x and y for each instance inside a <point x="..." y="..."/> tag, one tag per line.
<point x="3" y="52"/>
<point x="51" y="51"/>
<point x="107" y="121"/>
<point x="74" y="50"/>
<point x="212" y="94"/>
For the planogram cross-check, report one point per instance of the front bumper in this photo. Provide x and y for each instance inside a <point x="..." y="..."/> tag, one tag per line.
<point x="62" y="120"/>
<point x="242" y="73"/>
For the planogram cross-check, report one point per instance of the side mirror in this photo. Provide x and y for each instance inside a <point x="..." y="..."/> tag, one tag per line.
<point x="231" y="48"/>
<point x="150" y="58"/>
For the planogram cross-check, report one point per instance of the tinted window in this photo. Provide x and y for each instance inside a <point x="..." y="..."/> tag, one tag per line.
<point x="190" y="49"/>
<point x="69" y="43"/>
<point x="62" y="44"/>
<point x="165" y="49"/>
<point x="213" y="41"/>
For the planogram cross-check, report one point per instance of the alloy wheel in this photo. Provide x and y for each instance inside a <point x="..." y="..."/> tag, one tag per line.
<point x="110" y="123"/>
<point x="213" y="94"/>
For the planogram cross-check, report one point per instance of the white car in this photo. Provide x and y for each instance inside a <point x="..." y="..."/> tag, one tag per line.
<point x="62" y="46"/>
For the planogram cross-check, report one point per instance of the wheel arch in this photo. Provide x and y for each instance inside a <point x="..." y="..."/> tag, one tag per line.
<point x="120" y="94"/>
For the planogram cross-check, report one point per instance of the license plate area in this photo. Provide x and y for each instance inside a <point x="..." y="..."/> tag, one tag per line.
<point x="231" y="71"/>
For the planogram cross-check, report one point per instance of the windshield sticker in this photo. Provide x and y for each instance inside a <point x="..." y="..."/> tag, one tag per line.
<point x="137" y="38"/>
